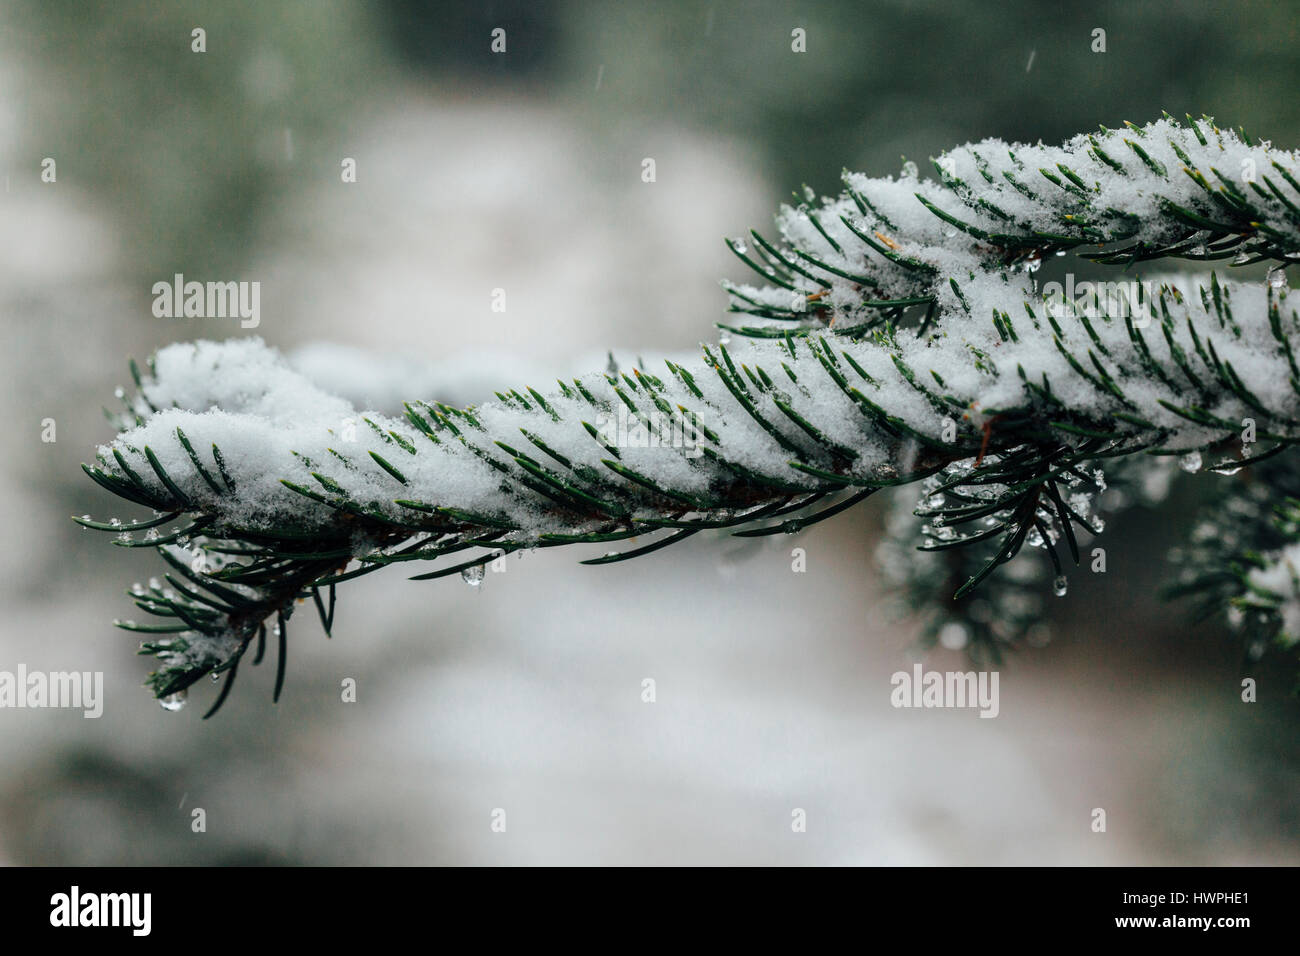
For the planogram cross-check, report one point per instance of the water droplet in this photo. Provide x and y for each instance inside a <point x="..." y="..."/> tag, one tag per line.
<point x="119" y="392"/>
<point x="174" y="702"/>
<point x="1033" y="265"/>
<point x="1277" y="277"/>
<point x="1198" y="250"/>
<point x="950" y="233"/>
<point x="1060" y="586"/>
<point x="909" y="170"/>
<point x="1060" y="252"/>
<point x="1227" y="469"/>
<point x="1191" y="462"/>
<point x="473" y="576"/>
<point x="1241" y="259"/>
<point x="740" y="245"/>
<point x="724" y="338"/>
<point x="214" y="677"/>
<point x="809" y="194"/>
<point x="155" y="583"/>
<point x="1035" y="540"/>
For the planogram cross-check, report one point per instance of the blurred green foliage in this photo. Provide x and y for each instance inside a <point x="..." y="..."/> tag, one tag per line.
<point x="185" y="149"/>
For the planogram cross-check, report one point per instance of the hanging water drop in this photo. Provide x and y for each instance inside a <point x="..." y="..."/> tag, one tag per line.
<point x="740" y="245"/>
<point x="473" y="576"/>
<point x="724" y="338"/>
<point x="1060" y="585"/>
<point x="1191" y="462"/>
<point x="1277" y="277"/>
<point x="909" y="170"/>
<point x="174" y="702"/>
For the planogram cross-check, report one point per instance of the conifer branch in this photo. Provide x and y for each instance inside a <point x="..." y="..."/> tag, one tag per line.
<point x="900" y="339"/>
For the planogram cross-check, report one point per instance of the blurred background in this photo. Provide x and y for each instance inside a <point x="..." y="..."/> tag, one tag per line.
<point x="521" y="171"/>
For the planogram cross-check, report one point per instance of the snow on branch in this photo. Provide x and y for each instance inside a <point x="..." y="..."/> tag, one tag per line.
<point x="901" y="338"/>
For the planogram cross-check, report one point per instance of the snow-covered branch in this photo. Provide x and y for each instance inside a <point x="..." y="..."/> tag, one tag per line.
<point x="902" y="338"/>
